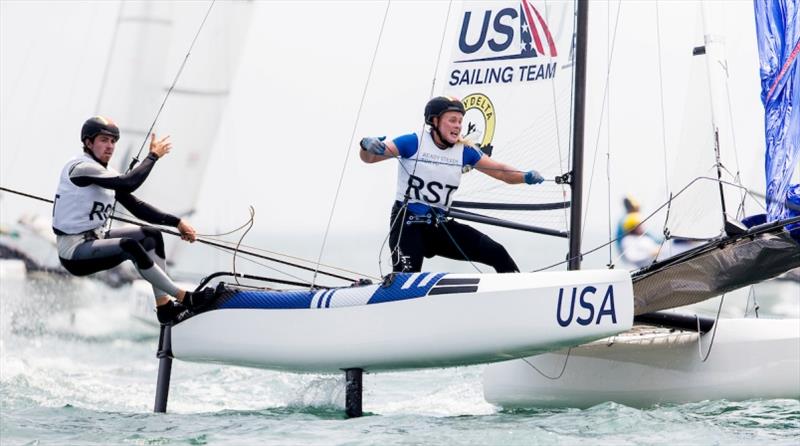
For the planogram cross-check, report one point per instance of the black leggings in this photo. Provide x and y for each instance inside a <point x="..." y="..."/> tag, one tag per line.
<point x="412" y="238"/>
<point x="142" y="245"/>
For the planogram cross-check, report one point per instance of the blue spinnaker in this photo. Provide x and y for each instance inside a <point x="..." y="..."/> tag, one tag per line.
<point x="778" y="31"/>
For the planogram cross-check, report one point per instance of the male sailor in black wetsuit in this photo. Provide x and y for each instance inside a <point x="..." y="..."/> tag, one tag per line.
<point x="86" y="193"/>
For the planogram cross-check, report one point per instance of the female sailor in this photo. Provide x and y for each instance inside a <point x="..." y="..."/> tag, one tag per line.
<point x="86" y="193"/>
<point x="429" y="172"/>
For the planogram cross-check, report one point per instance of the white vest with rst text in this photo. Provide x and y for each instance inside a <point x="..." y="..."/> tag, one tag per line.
<point x="80" y="209"/>
<point x="432" y="175"/>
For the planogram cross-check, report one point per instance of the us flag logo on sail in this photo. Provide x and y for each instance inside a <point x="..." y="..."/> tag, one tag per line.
<point x="518" y="32"/>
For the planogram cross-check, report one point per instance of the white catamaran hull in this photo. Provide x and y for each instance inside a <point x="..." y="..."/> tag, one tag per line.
<point x="378" y="327"/>
<point x="749" y="358"/>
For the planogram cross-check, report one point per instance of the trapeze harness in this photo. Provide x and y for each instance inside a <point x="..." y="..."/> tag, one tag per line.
<point x="427" y="178"/>
<point x="84" y="199"/>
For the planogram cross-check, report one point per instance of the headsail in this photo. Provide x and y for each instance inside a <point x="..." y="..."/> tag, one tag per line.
<point x="778" y="30"/>
<point x="511" y="66"/>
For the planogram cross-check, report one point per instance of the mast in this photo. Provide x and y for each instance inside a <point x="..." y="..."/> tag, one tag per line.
<point x="579" y="107"/>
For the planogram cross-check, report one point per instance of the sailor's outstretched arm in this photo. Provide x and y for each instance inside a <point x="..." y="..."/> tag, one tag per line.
<point x="506" y="173"/>
<point x="145" y="211"/>
<point x="88" y="173"/>
<point x="376" y="149"/>
<point x="150" y="214"/>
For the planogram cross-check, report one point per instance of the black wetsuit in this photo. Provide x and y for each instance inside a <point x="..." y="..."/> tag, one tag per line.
<point x="95" y="250"/>
<point x="423" y="236"/>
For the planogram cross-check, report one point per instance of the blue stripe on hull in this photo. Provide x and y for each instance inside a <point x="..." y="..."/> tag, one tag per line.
<point x="295" y="299"/>
<point x="269" y="299"/>
<point x="394" y="292"/>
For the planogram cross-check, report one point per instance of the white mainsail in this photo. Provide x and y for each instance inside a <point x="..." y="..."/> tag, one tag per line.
<point x="511" y="65"/>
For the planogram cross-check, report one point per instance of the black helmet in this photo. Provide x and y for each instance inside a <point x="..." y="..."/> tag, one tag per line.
<point x="439" y="105"/>
<point x="98" y="125"/>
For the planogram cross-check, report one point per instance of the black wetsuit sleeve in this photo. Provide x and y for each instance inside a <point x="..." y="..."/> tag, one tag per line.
<point x="144" y="211"/>
<point x="85" y="174"/>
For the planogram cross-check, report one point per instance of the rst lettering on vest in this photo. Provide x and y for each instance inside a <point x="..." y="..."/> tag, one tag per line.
<point x="430" y="192"/>
<point x="505" y="74"/>
<point x="587" y="300"/>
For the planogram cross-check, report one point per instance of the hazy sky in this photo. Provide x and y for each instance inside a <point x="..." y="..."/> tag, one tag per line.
<point x="285" y="133"/>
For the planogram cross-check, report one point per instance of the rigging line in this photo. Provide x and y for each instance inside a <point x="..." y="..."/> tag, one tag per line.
<point x="231" y="245"/>
<point x="207" y="236"/>
<point x="738" y="179"/>
<point x="430" y="92"/>
<point x="665" y="229"/>
<point x="300" y="259"/>
<point x="457" y="245"/>
<point x="200" y="240"/>
<point x="400" y="216"/>
<point x="704" y="358"/>
<point x="164" y="102"/>
<point x="236" y="250"/>
<point x="608" y="145"/>
<point x="573" y="56"/>
<point x="422" y="132"/>
<point x="253" y="248"/>
<point x="602" y="113"/>
<point x="661" y="98"/>
<point x="756" y="307"/>
<point x="397" y="247"/>
<point x="264" y="265"/>
<point x="561" y="164"/>
<point x="350" y="143"/>
<point x="553" y="378"/>
<point x="171" y="87"/>
<point x="447" y="163"/>
<point x="232" y="231"/>
<point x="571" y="123"/>
<point x="608" y="194"/>
<point x="714" y="180"/>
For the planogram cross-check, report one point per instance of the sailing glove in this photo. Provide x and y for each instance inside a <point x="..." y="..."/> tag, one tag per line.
<point x="374" y="145"/>
<point x="533" y="177"/>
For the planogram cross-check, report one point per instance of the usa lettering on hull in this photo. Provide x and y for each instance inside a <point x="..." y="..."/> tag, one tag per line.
<point x="582" y="304"/>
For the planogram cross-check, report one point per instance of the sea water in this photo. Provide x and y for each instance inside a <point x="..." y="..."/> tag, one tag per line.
<point x="76" y="368"/>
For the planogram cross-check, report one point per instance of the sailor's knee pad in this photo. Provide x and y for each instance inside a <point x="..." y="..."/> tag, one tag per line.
<point x="153" y="241"/>
<point x="137" y="252"/>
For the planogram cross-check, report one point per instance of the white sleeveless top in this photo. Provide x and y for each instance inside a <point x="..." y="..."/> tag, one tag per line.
<point x="80" y="209"/>
<point x="432" y="175"/>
